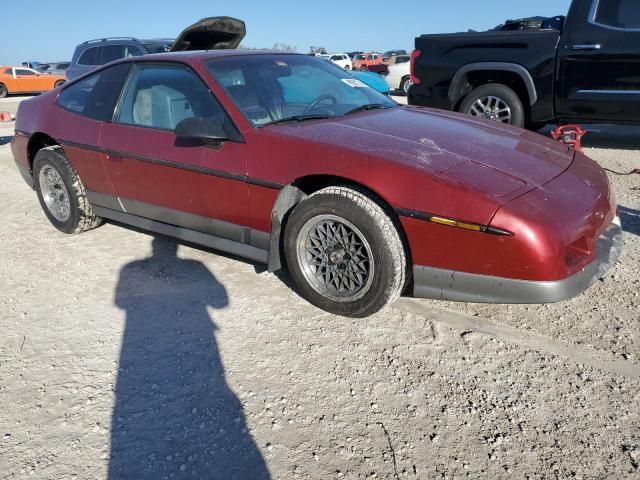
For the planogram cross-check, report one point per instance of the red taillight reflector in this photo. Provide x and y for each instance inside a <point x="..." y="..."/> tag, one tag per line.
<point x="414" y="55"/>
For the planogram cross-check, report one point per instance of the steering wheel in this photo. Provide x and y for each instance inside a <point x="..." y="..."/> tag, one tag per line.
<point x="318" y="101"/>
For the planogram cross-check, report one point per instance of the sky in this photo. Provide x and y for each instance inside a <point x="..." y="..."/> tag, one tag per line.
<point x="49" y="31"/>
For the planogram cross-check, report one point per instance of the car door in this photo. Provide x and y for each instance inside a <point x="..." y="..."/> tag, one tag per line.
<point x="160" y="177"/>
<point x="83" y="107"/>
<point x="598" y="69"/>
<point x="28" y="80"/>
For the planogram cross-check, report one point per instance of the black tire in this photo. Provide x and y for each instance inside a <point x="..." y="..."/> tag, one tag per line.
<point x="58" y="83"/>
<point x="385" y="280"/>
<point x="81" y="217"/>
<point x="3" y="90"/>
<point x="404" y="85"/>
<point x="363" y="68"/>
<point x="502" y="92"/>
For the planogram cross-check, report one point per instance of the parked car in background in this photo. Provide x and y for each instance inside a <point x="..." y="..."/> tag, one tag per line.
<point x="373" y="80"/>
<point x="353" y="54"/>
<point x="586" y="71"/>
<point x="206" y="34"/>
<point x="261" y="154"/>
<point x="342" y="60"/>
<point x="398" y="75"/>
<point x="393" y="53"/>
<point x="57" y="68"/>
<point x="370" y="79"/>
<point x="30" y="64"/>
<point x="383" y="68"/>
<point x="26" y="80"/>
<point x="364" y="60"/>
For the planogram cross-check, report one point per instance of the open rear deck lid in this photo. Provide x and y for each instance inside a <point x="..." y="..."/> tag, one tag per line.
<point x="211" y="33"/>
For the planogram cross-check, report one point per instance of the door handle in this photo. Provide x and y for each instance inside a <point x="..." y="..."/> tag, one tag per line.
<point x="587" y="46"/>
<point x="114" y="156"/>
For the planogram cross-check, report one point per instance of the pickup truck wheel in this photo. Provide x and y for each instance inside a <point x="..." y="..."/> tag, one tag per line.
<point x="496" y="102"/>
<point x="405" y="85"/>
<point x="3" y="90"/>
<point x="363" y="68"/>
<point x="344" y="252"/>
<point x="61" y="192"/>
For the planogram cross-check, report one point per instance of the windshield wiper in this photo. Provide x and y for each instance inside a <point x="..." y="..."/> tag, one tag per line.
<point x="369" y="106"/>
<point x="298" y="118"/>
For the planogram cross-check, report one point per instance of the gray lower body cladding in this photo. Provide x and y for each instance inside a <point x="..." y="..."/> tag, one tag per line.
<point x="441" y="284"/>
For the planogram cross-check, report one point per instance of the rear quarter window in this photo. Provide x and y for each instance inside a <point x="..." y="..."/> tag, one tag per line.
<point x="95" y="97"/>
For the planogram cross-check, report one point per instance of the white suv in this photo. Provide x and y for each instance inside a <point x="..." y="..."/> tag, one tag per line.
<point x="341" y="59"/>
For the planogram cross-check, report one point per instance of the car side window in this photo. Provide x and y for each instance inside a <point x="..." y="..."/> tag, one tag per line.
<point x="8" y="71"/>
<point x="90" y="57"/>
<point x="95" y="97"/>
<point x="111" y="53"/>
<point x="622" y="14"/>
<point x="161" y="96"/>
<point x="24" y="72"/>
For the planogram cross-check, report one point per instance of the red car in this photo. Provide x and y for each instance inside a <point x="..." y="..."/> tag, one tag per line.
<point x="365" y="60"/>
<point x="288" y="160"/>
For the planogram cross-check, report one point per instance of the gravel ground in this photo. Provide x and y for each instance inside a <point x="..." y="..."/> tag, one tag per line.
<point x="126" y="355"/>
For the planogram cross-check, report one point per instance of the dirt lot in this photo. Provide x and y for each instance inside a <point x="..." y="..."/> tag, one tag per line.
<point x="122" y="357"/>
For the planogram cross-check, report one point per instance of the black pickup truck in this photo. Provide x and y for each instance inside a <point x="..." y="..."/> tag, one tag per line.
<point x="586" y="70"/>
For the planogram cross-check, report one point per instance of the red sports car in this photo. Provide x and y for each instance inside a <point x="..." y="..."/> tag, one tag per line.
<point x="288" y="160"/>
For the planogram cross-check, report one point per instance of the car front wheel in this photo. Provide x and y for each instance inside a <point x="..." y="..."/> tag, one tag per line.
<point x="344" y="252"/>
<point x="3" y="90"/>
<point x="61" y="192"/>
<point x="496" y="102"/>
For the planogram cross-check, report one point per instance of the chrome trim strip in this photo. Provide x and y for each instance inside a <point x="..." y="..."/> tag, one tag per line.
<point x="610" y="92"/>
<point x="186" y="235"/>
<point x="441" y="284"/>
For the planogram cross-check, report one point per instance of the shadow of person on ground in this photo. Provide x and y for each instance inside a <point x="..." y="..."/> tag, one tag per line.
<point x="630" y="220"/>
<point x="174" y="414"/>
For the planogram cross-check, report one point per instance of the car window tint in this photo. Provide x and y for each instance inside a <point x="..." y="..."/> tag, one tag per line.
<point x="24" y="72"/>
<point x="161" y="96"/>
<point x="95" y="96"/>
<point x="111" y="53"/>
<point x="8" y="71"/>
<point x="618" y="13"/>
<point x="131" y="51"/>
<point x="402" y="59"/>
<point x="90" y="57"/>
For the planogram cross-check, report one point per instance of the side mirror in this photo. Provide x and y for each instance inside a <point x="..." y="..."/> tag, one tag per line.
<point x="201" y="129"/>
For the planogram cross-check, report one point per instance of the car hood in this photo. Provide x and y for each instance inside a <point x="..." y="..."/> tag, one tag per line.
<point x="211" y="33"/>
<point x="494" y="159"/>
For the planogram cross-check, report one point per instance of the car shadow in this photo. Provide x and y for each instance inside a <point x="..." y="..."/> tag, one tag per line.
<point x="5" y="140"/>
<point x="630" y="220"/>
<point x="174" y="414"/>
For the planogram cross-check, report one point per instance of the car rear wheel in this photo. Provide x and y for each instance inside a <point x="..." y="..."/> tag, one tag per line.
<point x="363" y="68"/>
<point x="3" y="90"/>
<point x="344" y="252"/>
<point x="58" y="83"/>
<point x="61" y="192"/>
<point x="405" y="85"/>
<point x="496" y="102"/>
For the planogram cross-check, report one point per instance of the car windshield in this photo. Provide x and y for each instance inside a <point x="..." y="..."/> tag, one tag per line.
<point x="276" y="88"/>
<point x="158" y="47"/>
<point x="361" y="57"/>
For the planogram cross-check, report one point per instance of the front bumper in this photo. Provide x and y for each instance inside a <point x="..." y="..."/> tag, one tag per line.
<point x="440" y="284"/>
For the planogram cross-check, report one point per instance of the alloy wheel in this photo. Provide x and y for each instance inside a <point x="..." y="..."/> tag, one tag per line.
<point x="335" y="258"/>
<point x="54" y="193"/>
<point x="492" y="108"/>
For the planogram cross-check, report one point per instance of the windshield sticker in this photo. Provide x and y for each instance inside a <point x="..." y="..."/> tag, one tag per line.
<point x="354" y="83"/>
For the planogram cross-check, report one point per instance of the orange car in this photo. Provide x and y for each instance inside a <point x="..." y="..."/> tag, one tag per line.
<point x="26" y="80"/>
<point x="365" y="60"/>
